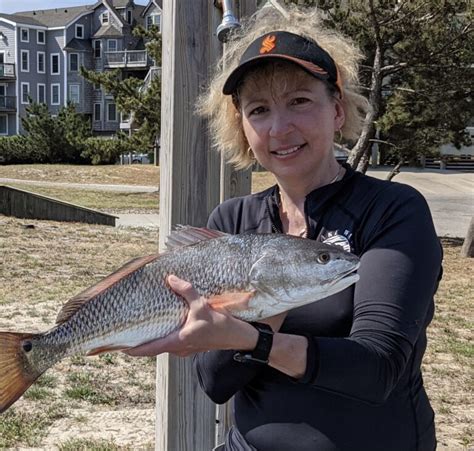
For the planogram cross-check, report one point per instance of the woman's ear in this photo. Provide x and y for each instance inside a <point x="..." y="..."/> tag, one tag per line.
<point x="340" y="115"/>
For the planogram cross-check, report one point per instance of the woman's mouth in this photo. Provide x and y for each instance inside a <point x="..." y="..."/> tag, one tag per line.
<point x="286" y="152"/>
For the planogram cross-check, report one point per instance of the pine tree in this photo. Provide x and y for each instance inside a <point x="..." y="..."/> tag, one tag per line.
<point x="133" y="97"/>
<point x="417" y="73"/>
<point x="56" y="139"/>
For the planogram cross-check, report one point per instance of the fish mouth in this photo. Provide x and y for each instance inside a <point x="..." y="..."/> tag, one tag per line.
<point x="348" y="276"/>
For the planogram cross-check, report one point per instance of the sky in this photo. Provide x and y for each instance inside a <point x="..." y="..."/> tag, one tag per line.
<point x="11" y="6"/>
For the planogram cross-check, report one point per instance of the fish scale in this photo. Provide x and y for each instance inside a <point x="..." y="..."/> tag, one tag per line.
<point x="251" y="276"/>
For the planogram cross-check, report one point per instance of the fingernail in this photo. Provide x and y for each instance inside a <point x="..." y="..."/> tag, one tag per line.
<point x="172" y="278"/>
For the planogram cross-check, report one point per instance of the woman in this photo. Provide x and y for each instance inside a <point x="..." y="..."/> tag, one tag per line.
<point x="342" y="373"/>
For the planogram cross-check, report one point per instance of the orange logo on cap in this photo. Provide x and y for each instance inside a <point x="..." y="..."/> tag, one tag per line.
<point x="268" y="44"/>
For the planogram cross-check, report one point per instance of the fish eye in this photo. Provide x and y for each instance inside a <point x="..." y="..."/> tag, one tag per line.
<point x="27" y="346"/>
<point x="324" y="257"/>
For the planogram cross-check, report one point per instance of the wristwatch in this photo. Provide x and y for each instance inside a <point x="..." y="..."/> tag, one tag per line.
<point x="262" y="350"/>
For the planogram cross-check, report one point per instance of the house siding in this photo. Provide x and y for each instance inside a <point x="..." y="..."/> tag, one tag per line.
<point x="61" y="39"/>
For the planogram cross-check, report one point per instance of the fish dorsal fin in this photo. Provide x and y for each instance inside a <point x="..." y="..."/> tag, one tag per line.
<point x="186" y="235"/>
<point x="75" y="303"/>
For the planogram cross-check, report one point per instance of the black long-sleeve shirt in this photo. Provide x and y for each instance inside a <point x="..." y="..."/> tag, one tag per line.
<point x="363" y="389"/>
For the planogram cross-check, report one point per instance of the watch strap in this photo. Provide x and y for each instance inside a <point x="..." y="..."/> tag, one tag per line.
<point x="262" y="350"/>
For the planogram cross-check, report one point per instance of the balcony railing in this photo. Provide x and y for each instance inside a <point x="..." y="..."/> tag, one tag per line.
<point x="153" y="72"/>
<point x="126" y="58"/>
<point x="7" y="70"/>
<point x="7" y="103"/>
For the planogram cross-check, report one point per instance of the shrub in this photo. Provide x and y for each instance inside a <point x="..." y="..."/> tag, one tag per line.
<point x="102" y="150"/>
<point x="21" y="149"/>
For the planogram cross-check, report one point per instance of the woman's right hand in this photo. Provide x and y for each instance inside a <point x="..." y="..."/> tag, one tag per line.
<point x="205" y="329"/>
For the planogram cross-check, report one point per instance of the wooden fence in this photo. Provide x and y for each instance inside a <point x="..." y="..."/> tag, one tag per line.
<point x="24" y="204"/>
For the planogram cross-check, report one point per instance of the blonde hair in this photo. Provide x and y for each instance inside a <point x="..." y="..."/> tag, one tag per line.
<point x="225" y="121"/>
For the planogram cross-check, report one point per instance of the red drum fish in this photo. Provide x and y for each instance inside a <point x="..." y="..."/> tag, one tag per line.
<point x="252" y="276"/>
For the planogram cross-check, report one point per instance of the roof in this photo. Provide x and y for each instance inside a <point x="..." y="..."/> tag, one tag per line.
<point x="80" y="45"/>
<point x="137" y="13"/>
<point x="21" y="19"/>
<point x="57" y="17"/>
<point x="157" y="3"/>
<point x="61" y="16"/>
<point x="107" y="31"/>
<point x="120" y="3"/>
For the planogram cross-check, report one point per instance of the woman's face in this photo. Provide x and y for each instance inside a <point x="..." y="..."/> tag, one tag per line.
<point x="289" y="119"/>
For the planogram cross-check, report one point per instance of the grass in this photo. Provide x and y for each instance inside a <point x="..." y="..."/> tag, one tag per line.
<point x="43" y="265"/>
<point x="92" y="445"/>
<point x="107" y="201"/>
<point x="134" y="174"/>
<point x="118" y="202"/>
<point x="23" y="428"/>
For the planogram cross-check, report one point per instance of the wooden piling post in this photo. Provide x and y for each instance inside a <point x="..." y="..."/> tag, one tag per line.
<point x="189" y="189"/>
<point x="190" y="185"/>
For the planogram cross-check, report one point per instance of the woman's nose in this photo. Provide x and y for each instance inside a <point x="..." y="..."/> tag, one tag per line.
<point x="280" y="125"/>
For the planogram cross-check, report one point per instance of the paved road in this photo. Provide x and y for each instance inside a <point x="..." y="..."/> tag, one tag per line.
<point x="88" y="186"/>
<point x="450" y="195"/>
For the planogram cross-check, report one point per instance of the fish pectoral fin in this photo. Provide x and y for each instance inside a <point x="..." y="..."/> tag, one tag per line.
<point x="107" y="348"/>
<point x="231" y="300"/>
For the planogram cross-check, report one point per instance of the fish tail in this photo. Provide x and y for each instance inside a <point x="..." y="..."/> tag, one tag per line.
<point x="16" y="373"/>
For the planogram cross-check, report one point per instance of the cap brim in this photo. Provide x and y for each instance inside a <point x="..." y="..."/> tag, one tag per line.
<point x="232" y="83"/>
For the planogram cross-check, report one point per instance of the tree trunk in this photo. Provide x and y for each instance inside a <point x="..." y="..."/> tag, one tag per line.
<point x="361" y="150"/>
<point x="467" y="249"/>
<point x="395" y="170"/>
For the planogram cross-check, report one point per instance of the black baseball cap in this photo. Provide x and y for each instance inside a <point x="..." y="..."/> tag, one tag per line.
<point x="282" y="45"/>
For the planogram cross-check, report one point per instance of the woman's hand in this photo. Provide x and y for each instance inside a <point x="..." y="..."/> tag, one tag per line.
<point x="205" y="329"/>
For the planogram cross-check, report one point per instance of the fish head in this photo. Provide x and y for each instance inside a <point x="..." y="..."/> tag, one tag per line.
<point x="295" y="271"/>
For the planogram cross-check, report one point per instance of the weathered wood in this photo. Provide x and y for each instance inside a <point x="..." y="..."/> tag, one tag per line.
<point x="467" y="249"/>
<point x="189" y="189"/>
<point x="237" y="183"/>
<point x="24" y="204"/>
<point x="233" y="183"/>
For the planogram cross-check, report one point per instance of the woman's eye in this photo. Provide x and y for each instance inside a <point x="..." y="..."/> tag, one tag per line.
<point x="257" y="111"/>
<point x="300" y="101"/>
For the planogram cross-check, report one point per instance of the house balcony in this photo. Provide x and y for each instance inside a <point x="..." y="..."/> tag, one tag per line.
<point x="126" y="58"/>
<point x="7" y="71"/>
<point x="7" y="103"/>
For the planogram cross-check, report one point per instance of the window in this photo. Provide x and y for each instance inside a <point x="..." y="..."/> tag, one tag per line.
<point x="97" y="111"/>
<point x="25" y="93"/>
<point x="55" y="70"/>
<point x="74" y="62"/>
<point x="41" y="93"/>
<point x="79" y="31"/>
<point x="3" y="124"/>
<point x="74" y="94"/>
<point x="111" y="112"/>
<point x="97" y="48"/>
<point x="25" y="35"/>
<point x="129" y="16"/>
<point x="40" y="37"/>
<point x="105" y="18"/>
<point x="154" y="19"/>
<point x="55" y="99"/>
<point x="40" y="62"/>
<point x="111" y="45"/>
<point x="25" y="60"/>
